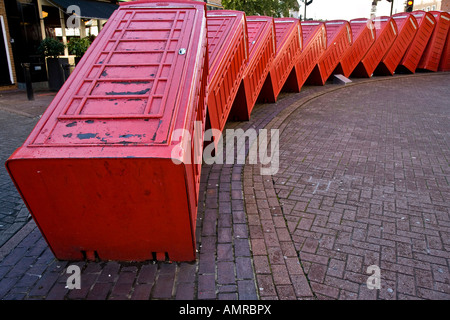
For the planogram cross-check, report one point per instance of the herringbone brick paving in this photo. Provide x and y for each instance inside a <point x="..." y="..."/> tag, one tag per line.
<point x="15" y="127"/>
<point x="364" y="180"/>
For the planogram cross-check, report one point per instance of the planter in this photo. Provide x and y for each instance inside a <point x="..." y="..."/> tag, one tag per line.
<point x="55" y="72"/>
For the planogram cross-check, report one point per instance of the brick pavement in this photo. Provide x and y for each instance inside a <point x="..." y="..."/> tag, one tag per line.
<point x="364" y="180"/>
<point x="341" y="201"/>
<point x="17" y="118"/>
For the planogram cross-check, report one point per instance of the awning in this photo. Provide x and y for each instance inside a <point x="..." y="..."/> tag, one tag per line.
<point x="88" y="9"/>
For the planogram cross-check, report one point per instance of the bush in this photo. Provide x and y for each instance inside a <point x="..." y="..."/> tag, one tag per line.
<point x="78" y="46"/>
<point x="50" y="47"/>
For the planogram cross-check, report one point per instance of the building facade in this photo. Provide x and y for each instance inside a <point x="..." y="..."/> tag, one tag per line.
<point x="427" y="5"/>
<point x="445" y="5"/>
<point x="214" y="4"/>
<point x="8" y="79"/>
<point x="25" y="23"/>
<point x="31" y="21"/>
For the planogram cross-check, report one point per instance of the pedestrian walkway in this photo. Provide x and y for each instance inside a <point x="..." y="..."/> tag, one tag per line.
<point x="363" y="181"/>
<point x="17" y="118"/>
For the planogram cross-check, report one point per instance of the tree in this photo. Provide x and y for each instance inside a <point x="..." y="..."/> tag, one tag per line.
<point x="271" y="8"/>
<point x="51" y="47"/>
<point x="78" y="46"/>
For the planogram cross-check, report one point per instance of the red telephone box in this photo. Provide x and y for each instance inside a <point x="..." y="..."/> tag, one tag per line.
<point x="426" y="23"/>
<point x="262" y="50"/>
<point x="228" y="57"/>
<point x="288" y="34"/>
<point x="386" y="30"/>
<point x="315" y="43"/>
<point x="363" y="33"/>
<point x="339" y="39"/>
<point x="433" y="52"/>
<point x="407" y="29"/>
<point x="110" y="170"/>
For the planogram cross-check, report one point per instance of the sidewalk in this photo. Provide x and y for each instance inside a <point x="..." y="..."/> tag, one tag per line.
<point x="17" y="102"/>
<point x="363" y="181"/>
<point x="17" y="118"/>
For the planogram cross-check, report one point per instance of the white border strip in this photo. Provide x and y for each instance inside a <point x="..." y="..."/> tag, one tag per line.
<point x="285" y="21"/>
<point x="349" y="35"/>
<point x="221" y="15"/>
<point x="393" y="28"/>
<point x="5" y="36"/>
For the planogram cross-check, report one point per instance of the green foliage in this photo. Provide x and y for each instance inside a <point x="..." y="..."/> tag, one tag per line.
<point x="78" y="46"/>
<point x="50" y="47"/>
<point x="271" y="8"/>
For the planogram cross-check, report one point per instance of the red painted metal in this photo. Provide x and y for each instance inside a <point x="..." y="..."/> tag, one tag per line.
<point x="96" y="173"/>
<point x="228" y="57"/>
<point x="432" y="54"/>
<point x="363" y="34"/>
<point x="339" y="39"/>
<point x="315" y="43"/>
<point x="386" y="30"/>
<point x="288" y="34"/>
<point x="444" y="65"/>
<point x="407" y="29"/>
<point x="412" y="56"/>
<point x="262" y="50"/>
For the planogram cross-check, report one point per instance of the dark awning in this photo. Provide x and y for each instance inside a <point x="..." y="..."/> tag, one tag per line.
<point x="88" y="9"/>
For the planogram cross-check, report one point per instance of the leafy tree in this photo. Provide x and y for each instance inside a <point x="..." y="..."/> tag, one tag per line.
<point x="78" y="46"/>
<point x="271" y="8"/>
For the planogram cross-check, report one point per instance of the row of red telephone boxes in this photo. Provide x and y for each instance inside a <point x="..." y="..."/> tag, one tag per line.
<point x="112" y="169"/>
<point x="311" y="52"/>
